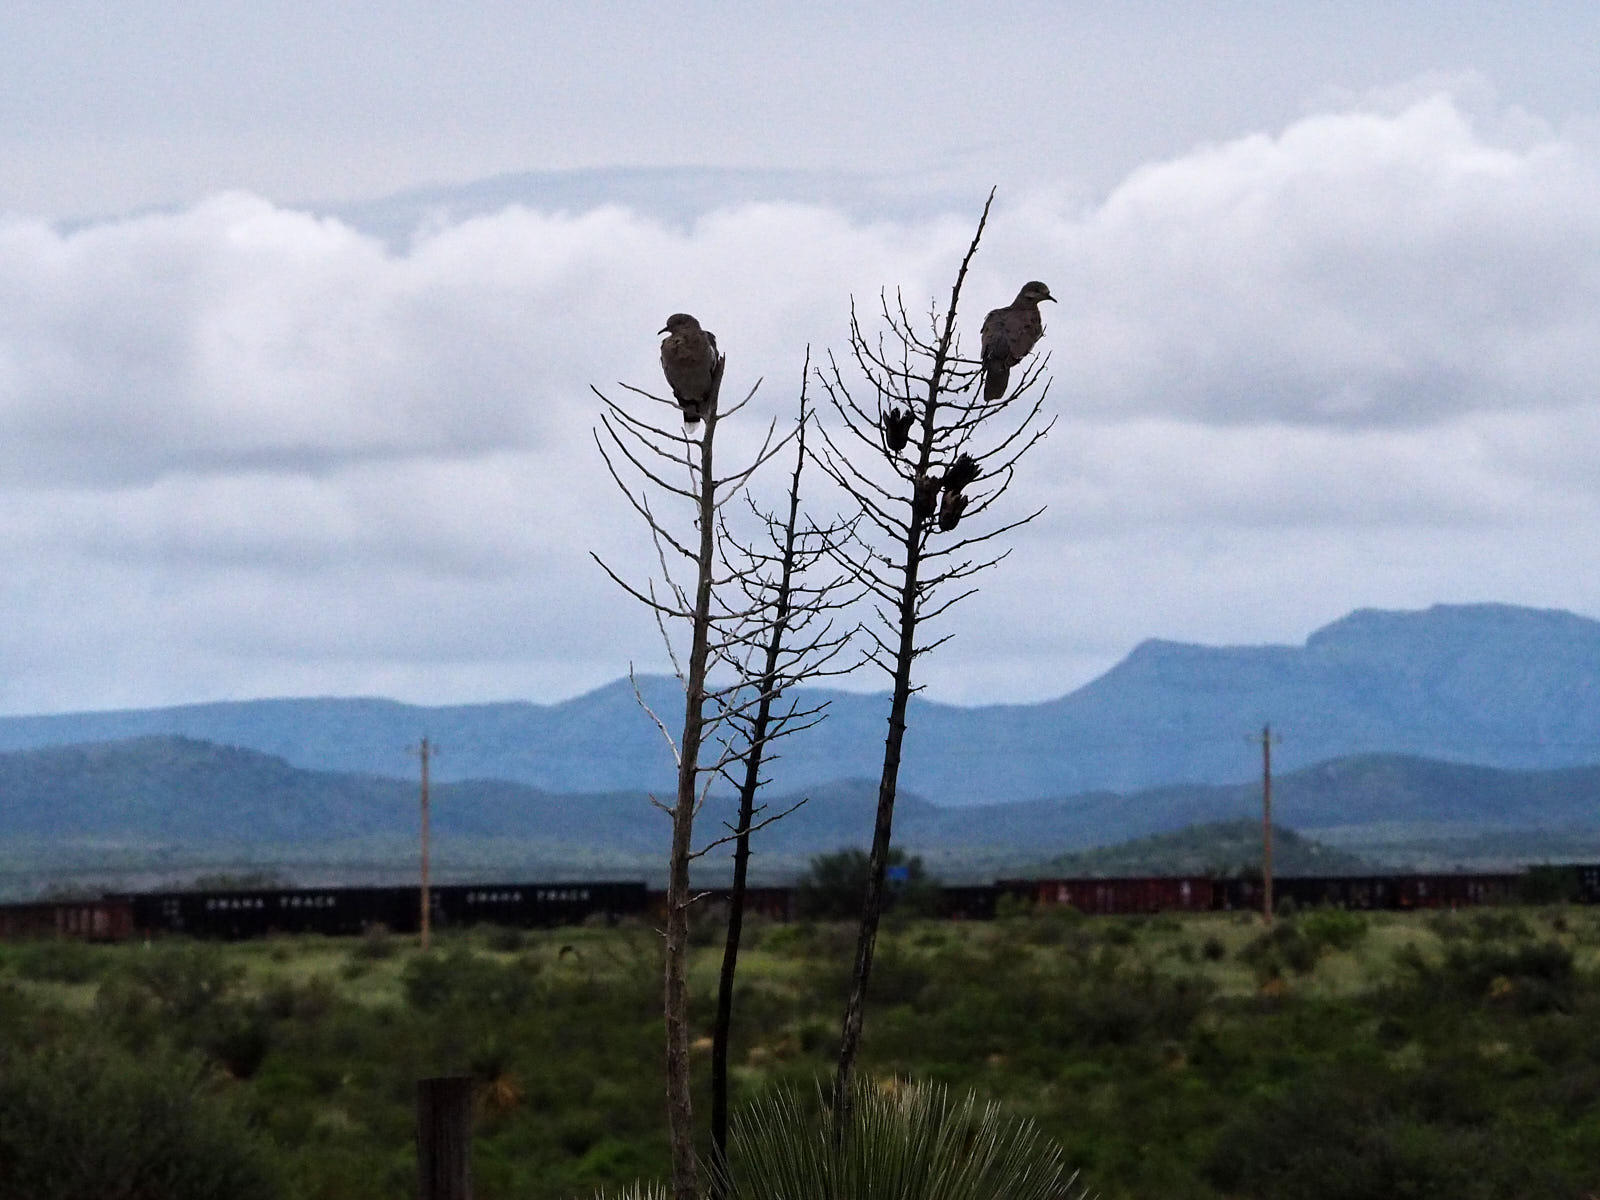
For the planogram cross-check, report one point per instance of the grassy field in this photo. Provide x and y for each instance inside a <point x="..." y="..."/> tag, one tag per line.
<point x="1341" y="1056"/>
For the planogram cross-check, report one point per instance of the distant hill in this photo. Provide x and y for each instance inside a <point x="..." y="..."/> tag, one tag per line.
<point x="162" y="797"/>
<point x="1218" y="847"/>
<point x="1487" y="684"/>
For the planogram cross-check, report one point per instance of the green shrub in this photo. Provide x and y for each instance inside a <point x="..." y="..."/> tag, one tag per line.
<point x="433" y="981"/>
<point x="1333" y="928"/>
<point x="506" y="939"/>
<point x="898" y="977"/>
<point x="1529" y="978"/>
<point x="284" y="999"/>
<point x="834" y="886"/>
<point x="183" y="979"/>
<point x="87" y="1122"/>
<point x="1130" y="1006"/>
<point x="1354" y="1132"/>
<point x="1283" y="947"/>
<point x="376" y="943"/>
<point x="56" y="960"/>
<point x="1059" y="925"/>
<point x="1448" y="926"/>
<point x="1010" y="905"/>
<point x="1499" y="925"/>
<point x="238" y="1040"/>
<point x="1120" y="931"/>
<point x="707" y="927"/>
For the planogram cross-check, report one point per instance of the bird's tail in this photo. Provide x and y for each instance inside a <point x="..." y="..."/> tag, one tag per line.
<point x="995" y="378"/>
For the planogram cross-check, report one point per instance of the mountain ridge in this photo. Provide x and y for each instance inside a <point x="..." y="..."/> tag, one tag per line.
<point x="184" y="790"/>
<point x="1493" y="684"/>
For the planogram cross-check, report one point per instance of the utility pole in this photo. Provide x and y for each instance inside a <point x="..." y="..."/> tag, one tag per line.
<point x="424" y="752"/>
<point x="1266" y="824"/>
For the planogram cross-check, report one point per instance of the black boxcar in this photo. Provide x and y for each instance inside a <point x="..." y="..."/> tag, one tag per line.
<point x="344" y="911"/>
<point x="529" y="905"/>
<point x="970" y="902"/>
<point x="1588" y="883"/>
<point x="242" y="914"/>
<point x="1374" y="891"/>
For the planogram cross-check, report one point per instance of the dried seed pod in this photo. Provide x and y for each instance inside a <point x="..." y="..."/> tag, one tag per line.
<point x="951" y="506"/>
<point x="962" y="472"/>
<point x="897" y="428"/>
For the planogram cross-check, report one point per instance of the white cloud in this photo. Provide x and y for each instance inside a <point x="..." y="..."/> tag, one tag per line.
<point x="1358" y="269"/>
<point x="248" y="450"/>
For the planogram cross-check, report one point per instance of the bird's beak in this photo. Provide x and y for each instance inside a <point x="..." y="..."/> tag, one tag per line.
<point x="663" y="329"/>
<point x="1052" y="299"/>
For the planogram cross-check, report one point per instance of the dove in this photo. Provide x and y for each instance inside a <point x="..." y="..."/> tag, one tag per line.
<point x="689" y="361"/>
<point x="1008" y="334"/>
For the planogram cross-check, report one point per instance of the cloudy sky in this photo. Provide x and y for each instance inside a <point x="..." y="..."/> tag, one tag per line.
<point x="293" y="402"/>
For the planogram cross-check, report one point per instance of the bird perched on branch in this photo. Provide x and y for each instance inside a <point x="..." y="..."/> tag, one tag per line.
<point x="897" y="428"/>
<point x="690" y="362"/>
<point x="1008" y="334"/>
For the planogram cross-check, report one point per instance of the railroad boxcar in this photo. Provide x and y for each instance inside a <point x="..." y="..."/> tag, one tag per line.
<point x="243" y="914"/>
<point x="531" y="905"/>
<point x="1588" y="882"/>
<point x="1455" y="890"/>
<point x="107" y="919"/>
<point x="1398" y="891"/>
<point x="970" y="902"/>
<point x="1126" y="894"/>
<point x="346" y="911"/>
<point x="1324" y="891"/>
<point x="1578" y="883"/>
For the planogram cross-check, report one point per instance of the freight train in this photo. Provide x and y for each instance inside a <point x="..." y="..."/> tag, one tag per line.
<point x="238" y="913"/>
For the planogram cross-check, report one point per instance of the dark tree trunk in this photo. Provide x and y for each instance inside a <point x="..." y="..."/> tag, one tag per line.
<point x="909" y="611"/>
<point x="888" y="783"/>
<point x="747" y="806"/>
<point x="680" y="1108"/>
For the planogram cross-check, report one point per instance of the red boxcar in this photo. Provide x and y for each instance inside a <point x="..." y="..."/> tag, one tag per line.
<point x="1135" y="894"/>
<point x="107" y="919"/>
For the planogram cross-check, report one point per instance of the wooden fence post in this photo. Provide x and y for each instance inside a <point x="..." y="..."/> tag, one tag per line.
<point x="444" y="1138"/>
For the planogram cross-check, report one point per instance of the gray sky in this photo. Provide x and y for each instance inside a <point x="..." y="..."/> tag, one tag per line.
<point x="1329" y="331"/>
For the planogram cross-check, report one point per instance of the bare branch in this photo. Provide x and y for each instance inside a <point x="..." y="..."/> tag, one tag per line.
<point x="744" y="831"/>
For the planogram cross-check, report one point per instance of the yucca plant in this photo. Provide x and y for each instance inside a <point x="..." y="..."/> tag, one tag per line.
<point x="903" y="1141"/>
<point x="636" y="1191"/>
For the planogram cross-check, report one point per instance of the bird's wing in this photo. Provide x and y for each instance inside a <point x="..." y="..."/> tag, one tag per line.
<point x="689" y="363"/>
<point x="991" y="326"/>
<point x="678" y="362"/>
<point x="1005" y="338"/>
<point x="996" y="339"/>
<point x="1029" y="329"/>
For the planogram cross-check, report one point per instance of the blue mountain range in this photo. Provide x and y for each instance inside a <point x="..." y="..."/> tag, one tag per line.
<point x="1491" y="685"/>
